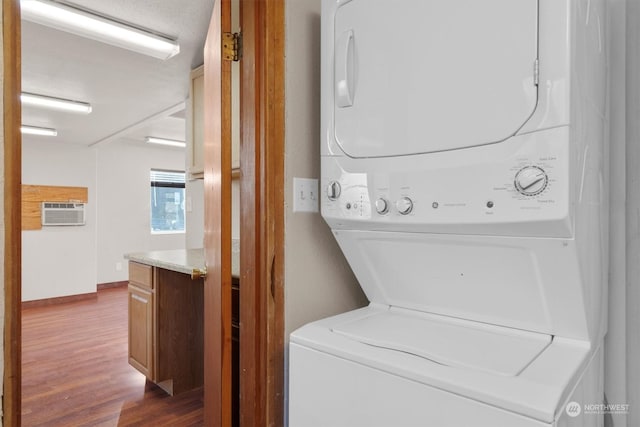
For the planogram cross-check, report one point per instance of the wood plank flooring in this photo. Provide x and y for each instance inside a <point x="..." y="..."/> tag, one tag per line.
<point x="75" y="370"/>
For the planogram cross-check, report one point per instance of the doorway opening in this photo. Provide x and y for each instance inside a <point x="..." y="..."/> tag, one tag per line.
<point x="262" y="212"/>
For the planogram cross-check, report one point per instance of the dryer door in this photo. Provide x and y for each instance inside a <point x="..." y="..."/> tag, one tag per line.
<point x="416" y="76"/>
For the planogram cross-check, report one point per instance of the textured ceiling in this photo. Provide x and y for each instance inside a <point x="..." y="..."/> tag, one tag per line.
<point x="124" y="87"/>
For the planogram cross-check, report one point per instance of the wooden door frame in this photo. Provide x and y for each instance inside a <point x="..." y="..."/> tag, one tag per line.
<point x="262" y="135"/>
<point x="261" y="217"/>
<point x="12" y="117"/>
<point x="217" y="222"/>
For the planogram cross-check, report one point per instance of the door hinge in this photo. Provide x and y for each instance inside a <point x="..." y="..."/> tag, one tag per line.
<point x="231" y="46"/>
<point x="536" y="72"/>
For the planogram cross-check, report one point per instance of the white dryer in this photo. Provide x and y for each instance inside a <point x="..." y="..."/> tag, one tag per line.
<point x="463" y="145"/>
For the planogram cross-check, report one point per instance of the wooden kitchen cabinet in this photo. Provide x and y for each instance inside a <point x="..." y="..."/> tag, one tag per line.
<point x="141" y="330"/>
<point x="141" y="318"/>
<point x="195" y="124"/>
<point x="195" y="121"/>
<point x="166" y="327"/>
<point x="166" y="319"/>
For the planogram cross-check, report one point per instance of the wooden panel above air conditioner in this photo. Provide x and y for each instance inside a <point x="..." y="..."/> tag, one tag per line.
<point x="34" y="195"/>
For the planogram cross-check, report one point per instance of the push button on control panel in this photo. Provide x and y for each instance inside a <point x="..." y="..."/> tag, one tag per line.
<point x="404" y="206"/>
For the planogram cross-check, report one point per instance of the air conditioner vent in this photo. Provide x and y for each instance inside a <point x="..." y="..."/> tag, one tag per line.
<point x="61" y="213"/>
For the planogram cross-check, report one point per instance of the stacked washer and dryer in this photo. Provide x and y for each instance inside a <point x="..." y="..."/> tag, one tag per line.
<point x="463" y="150"/>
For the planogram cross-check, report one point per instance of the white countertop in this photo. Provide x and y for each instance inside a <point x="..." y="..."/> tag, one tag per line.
<point x="187" y="261"/>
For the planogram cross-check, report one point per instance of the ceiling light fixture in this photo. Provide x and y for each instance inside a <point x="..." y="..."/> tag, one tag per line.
<point x="86" y="23"/>
<point x="34" y="130"/>
<point x="55" y="103"/>
<point x="163" y="141"/>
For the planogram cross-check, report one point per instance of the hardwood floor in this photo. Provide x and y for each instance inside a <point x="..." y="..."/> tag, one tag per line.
<point x="75" y="370"/>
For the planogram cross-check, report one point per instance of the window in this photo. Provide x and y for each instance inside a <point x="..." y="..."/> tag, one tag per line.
<point x="167" y="201"/>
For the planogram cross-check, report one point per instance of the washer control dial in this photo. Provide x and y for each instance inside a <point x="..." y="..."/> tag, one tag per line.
<point x="334" y="190"/>
<point x="382" y="206"/>
<point x="404" y="206"/>
<point x="531" y="180"/>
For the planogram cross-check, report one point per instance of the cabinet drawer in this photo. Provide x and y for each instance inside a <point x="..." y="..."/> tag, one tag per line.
<point x="141" y="274"/>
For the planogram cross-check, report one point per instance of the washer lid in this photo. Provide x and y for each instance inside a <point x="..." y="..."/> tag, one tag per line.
<point x="415" y="76"/>
<point x="447" y="341"/>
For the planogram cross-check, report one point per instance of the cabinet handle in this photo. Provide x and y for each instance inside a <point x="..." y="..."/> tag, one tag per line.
<point x="139" y="298"/>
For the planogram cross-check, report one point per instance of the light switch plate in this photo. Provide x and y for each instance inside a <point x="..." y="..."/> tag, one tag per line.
<point x="305" y="195"/>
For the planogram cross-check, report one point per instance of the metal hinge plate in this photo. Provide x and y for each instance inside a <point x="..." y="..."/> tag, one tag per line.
<point x="231" y="46"/>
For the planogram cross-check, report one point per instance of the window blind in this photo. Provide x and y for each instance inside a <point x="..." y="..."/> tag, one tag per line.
<point x="167" y="179"/>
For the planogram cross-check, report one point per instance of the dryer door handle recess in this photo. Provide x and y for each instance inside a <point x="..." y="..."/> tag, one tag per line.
<point x="344" y="69"/>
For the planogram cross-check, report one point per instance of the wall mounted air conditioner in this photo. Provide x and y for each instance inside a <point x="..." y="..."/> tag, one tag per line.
<point x="62" y="213"/>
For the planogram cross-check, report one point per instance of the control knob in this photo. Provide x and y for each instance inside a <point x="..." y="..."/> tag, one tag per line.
<point x="531" y="180"/>
<point x="404" y="206"/>
<point x="382" y="206"/>
<point x="334" y="190"/>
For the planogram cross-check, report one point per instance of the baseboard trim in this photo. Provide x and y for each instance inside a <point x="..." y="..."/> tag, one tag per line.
<point x="59" y="300"/>
<point x="110" y="285"/>
<point x="73" y="298"/>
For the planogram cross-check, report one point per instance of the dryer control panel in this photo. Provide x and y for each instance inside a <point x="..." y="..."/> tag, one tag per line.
<point x="518" y="187"/>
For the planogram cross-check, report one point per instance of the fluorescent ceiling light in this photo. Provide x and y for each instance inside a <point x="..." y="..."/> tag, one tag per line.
<point x="33" y="130"/>
<point x="55" y="103"/>
<point x="89" y="24"/>
<point x="163" y="141"/>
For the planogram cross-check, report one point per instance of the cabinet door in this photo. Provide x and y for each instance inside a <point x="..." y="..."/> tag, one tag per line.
<point x="195" y="125"/>
<point x="141" y="330"/>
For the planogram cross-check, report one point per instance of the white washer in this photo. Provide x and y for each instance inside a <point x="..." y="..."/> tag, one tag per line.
<point x="462" y="157"/>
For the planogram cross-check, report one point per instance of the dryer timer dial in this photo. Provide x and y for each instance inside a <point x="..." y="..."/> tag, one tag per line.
<point x="531" y="180"/>
<point x="333" y="190"/>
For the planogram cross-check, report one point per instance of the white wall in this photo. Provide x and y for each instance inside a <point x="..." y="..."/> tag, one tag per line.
<point x="59" y="261"/>
<point x="235" y="209"/>
<point x="632" y="279"/>
<point x="615" y="341"/>
<point x="195" y="218"/>
<point x="194" y="215"/>
<point x="124" y="206"/>
<point x="622" y="344"/>
<point x="319" y="282"/>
